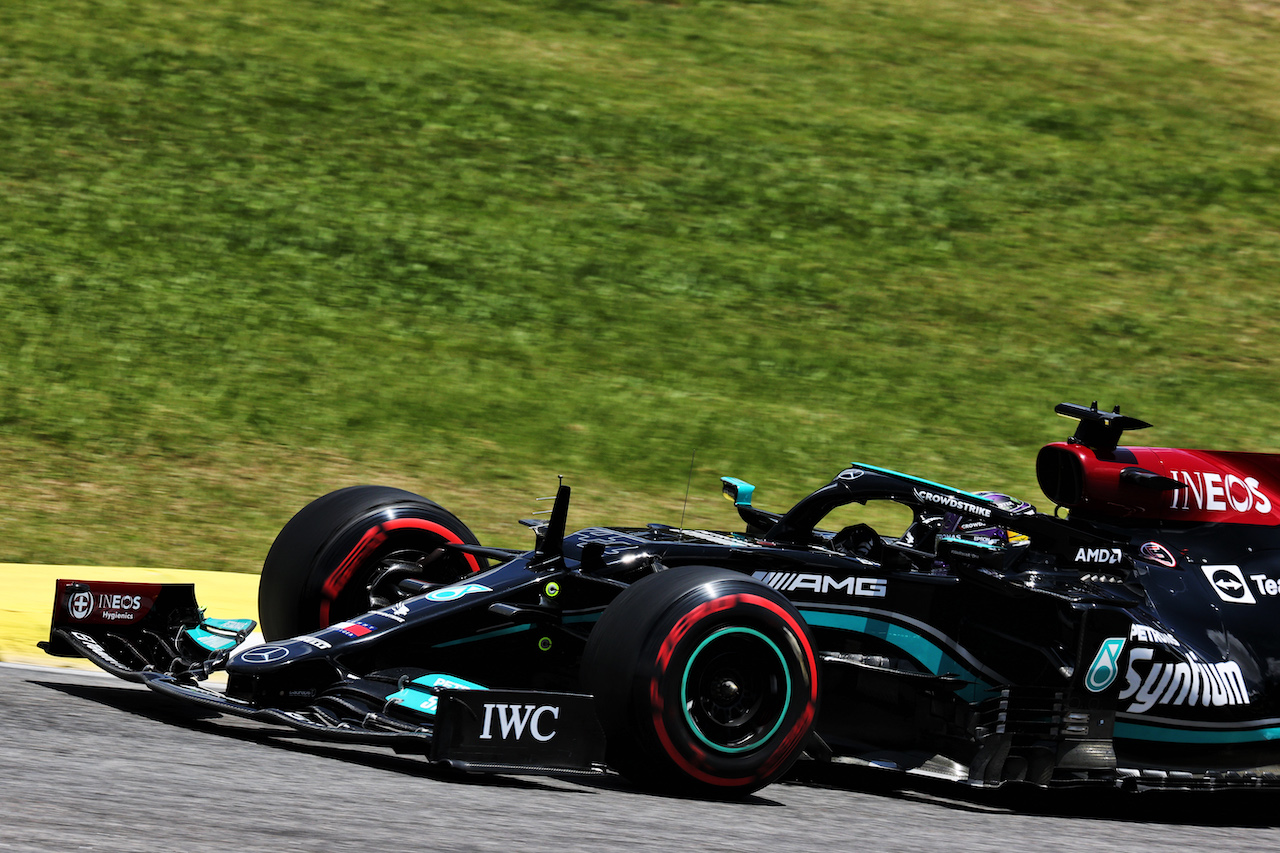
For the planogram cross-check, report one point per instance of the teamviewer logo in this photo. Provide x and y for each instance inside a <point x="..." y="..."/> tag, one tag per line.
<point x="1229" y="583"/>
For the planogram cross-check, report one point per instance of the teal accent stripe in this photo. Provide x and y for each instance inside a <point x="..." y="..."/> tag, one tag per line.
<point x="235" y="626"/>
<point x="1140" y="731"/>
<point x="212" y="642"/>
<point x="500" y="632"/>
<point x="942" y="486"/>
<point x="930" y="655"/>
<point x="969" y="542"/>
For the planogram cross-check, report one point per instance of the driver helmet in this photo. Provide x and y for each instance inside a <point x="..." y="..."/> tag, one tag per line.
<point x="968" y="525"/>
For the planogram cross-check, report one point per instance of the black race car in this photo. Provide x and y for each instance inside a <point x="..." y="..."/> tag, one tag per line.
<point x="1133" y="642"/>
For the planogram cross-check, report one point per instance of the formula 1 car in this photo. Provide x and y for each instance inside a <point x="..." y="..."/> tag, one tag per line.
<point x="1131" y="643"/>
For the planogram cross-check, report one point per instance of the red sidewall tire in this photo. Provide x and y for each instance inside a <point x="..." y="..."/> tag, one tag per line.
<point x="704" y="678"/>
<point x="319" y="567"/>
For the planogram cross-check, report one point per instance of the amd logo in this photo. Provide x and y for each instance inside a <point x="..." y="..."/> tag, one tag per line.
<point x="1109" y="556"/>
<point x="513" y="720"/>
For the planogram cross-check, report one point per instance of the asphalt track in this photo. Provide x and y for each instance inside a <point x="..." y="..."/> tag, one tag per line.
<point x="88" y="762"/>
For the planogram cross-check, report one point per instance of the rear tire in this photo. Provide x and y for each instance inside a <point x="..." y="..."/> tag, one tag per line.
<point x="321" y="564"/>
<point x="705" y="679"/>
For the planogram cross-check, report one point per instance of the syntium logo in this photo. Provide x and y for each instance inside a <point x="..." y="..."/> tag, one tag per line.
<point x="1191" y="682"/>
<point x="801" y="582"/>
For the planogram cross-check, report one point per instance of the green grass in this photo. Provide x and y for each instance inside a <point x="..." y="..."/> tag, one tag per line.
<point x="254" y="251"/>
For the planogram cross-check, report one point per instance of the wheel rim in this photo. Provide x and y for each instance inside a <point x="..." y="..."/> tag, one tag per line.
<point x="735" y="690"/>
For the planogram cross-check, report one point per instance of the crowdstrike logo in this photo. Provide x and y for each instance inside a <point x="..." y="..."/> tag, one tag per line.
<point x="953" y="503"/>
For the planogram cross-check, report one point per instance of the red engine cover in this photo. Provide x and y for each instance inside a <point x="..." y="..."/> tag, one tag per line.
<point x="1237" y="488"/>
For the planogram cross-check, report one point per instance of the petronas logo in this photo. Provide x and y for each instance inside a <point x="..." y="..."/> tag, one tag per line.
<point x="1102" y="672"/>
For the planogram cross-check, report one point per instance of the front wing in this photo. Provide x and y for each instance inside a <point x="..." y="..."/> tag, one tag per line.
<point x="161" y="639"/>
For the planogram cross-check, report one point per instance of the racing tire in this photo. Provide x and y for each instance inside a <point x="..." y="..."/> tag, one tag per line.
<point x="319" y="569"/>
<point x="705" y="682"/>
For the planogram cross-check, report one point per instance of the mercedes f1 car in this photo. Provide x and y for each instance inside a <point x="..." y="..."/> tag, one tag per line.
<point x="1132" y="642"/>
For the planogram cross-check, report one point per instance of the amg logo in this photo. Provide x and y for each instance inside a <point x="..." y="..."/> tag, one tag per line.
<point x="954" y="503"/>
<point x="798" y="582"/>
<point x="1098" y="555"/>
<point x="514" y="719"/>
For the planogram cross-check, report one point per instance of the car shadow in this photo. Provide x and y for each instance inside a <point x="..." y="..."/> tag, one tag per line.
<point x="164" y="709"/>
<point x="1247" y="808"/>
<point x="154" y="706"/>
<point x="1254" y="808"/>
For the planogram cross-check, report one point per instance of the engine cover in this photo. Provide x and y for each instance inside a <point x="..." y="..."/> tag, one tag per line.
<point x="1162" y="483"/>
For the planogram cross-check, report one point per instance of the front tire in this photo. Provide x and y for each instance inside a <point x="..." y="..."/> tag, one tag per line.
<point x="321" y="566"/>
<point x="705" y="679"/>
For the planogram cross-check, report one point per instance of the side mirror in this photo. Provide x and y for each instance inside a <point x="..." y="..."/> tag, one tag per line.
<point x="738" y="491"/>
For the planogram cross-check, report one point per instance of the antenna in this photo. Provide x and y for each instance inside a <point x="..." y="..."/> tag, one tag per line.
<point x="688" y="484"/>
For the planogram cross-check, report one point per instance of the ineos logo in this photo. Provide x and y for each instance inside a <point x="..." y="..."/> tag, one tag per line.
<point x="513" y="719"/>
<point x="265" y="654"/>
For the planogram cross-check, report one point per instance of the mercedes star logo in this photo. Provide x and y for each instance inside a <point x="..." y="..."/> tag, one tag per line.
<point x="264" y="654"/>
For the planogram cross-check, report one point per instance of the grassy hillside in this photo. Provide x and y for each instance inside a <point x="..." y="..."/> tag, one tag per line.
<point x="254" y="251"/>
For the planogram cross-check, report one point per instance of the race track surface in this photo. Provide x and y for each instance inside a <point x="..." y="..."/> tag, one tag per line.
<point x="88" y="762"/>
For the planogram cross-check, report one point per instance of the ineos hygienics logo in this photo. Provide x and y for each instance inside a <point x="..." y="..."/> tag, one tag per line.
<point x="80" y="604"/>
<point x="1228" y="582"/>
<point x="264" y="654"/>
